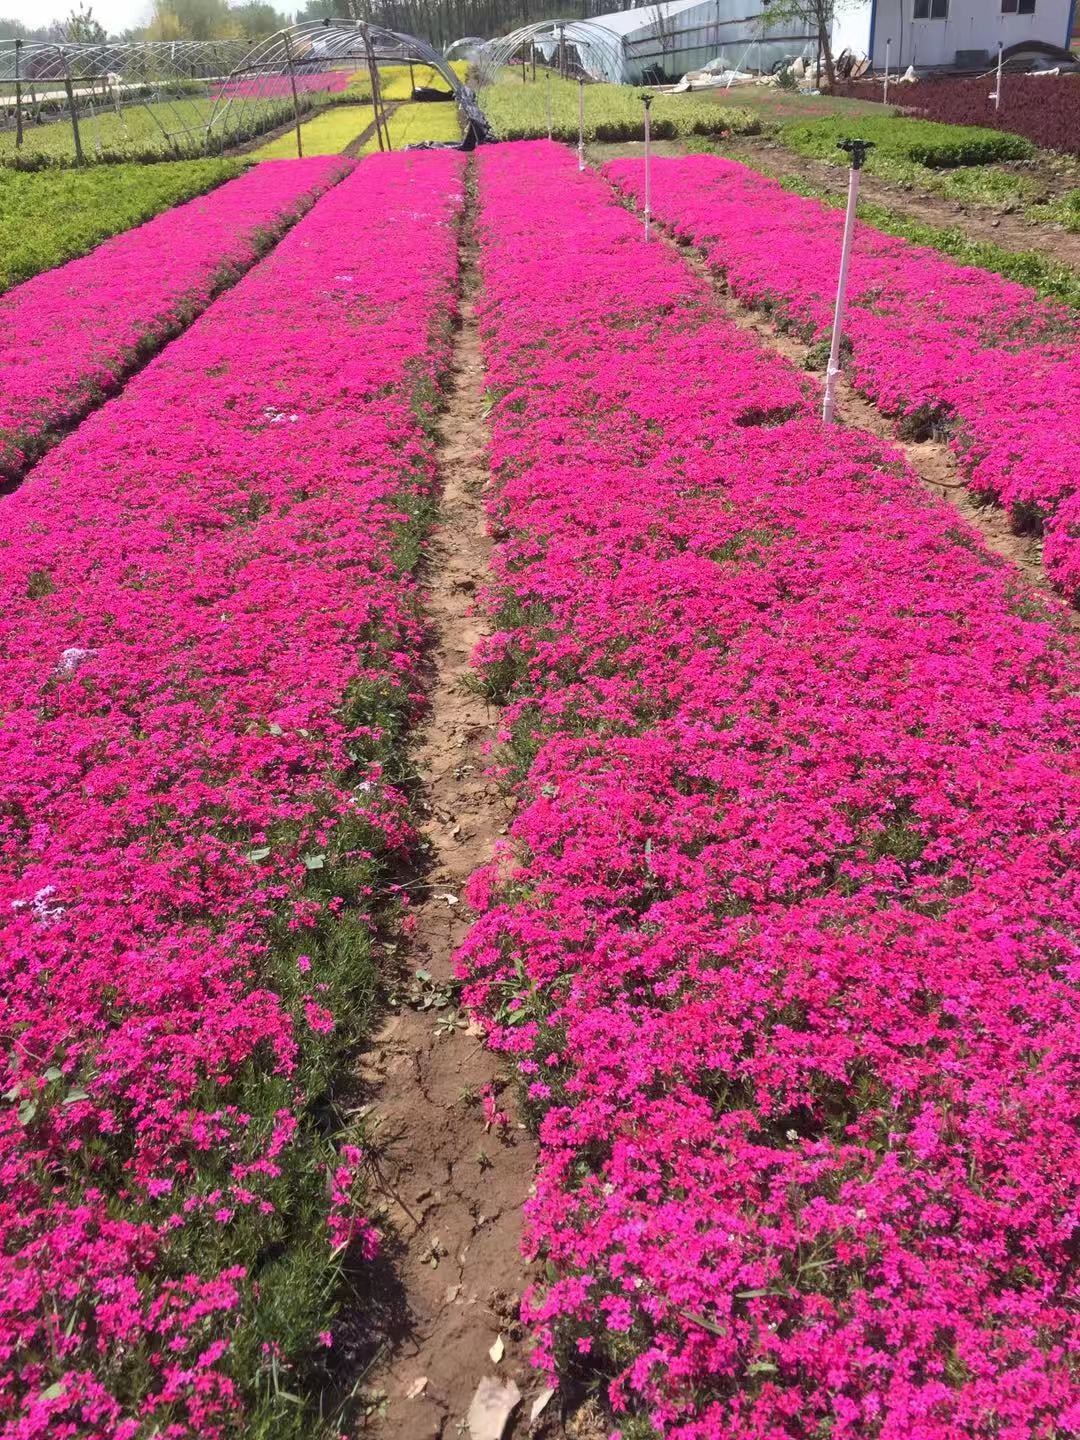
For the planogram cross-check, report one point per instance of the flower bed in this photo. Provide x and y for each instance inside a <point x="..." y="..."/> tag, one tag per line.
<point x="784" y="944"/>
<point x="938" y="344"/>
<point x="211" y="644"/>
<point x="1044" y="108"/>
<point x="71" y="336"/>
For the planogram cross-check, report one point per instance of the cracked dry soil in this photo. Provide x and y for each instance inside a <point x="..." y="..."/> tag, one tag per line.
<point x="451" y="1188"/>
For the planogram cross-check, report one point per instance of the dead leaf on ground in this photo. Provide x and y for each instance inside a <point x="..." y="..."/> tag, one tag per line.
<point x="417" y="1387"/>
<point x="492" y="1406"/>
<point x="540" y="1404"/>
<point x="497" y="1350"/>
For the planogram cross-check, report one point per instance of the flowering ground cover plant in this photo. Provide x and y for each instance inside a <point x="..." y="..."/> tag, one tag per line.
<point x="784" y="940"/>
<point x="70" y="336"/>
<point x="935" y="343"/>
<point x="210" y="642"/>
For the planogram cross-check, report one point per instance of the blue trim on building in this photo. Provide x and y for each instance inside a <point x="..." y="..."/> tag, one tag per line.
<point x="873" y="26"/>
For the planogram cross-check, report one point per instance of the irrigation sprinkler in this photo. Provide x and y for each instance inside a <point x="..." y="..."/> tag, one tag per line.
<point x="580" y="123"/>
<point x="647" y="101"/>
<point x="885" y="96"/>
<point x="547" y="76"/>
<point x="996" y="96"/>
<point x="857" y="150"/>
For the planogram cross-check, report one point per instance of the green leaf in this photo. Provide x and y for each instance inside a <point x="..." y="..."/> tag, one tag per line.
<point x="74" y="1096"/>
<point x="52" y="1073"/>
<point x="53" y="1392"/>
<point x="27" y="1111"/>
<point x="314" y="862"/>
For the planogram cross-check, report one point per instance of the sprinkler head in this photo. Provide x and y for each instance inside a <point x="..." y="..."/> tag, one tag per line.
<point x="857" y="149"/>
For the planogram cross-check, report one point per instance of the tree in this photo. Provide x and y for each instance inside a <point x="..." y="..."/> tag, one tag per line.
<point x="816" y="15"/>
<point x="81" y="26"/>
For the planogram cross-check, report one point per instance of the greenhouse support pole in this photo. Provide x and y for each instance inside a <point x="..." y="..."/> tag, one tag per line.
<point x="376" y="92"/>
<point x="885" y="96"/>
<point x="856" y="149"/>
<point x="295" y="100"/>
<point x="18" y="99"/>
<point x="547" y="75"/>
<point x="532" y="47"/>
<point x="580" y="124"/>
<point x="648" y="170"/>
<point x="79" y="160"/>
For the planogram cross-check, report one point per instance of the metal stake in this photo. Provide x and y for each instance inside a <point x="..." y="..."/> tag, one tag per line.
<point x="885" y="97"/>
<point x="547" y="74"/>
<point x="580" y="124"/>
<point x="647" y="99"/>
<point x="857" y="149"/>
<point x="295" y="101"/>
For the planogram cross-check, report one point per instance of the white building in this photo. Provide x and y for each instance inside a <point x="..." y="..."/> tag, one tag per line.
<point x="947" y="32"/>
<point x="680" y="35"/>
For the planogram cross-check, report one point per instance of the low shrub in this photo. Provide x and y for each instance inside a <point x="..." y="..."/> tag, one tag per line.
<point x="923" y="142"/>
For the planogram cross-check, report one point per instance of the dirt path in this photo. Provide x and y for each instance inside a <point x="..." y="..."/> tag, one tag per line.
<point x="452" y="1184"/>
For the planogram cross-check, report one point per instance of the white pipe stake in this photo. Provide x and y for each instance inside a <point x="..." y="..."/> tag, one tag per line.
<point x="885" y="97"/>
<point x="833" y="370"/>
<point x="648" y="169"/>
<point x="997" y="89"/>
<point x="580" y="124"/>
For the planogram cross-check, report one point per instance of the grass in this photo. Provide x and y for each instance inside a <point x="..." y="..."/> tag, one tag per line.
<point x="783" y="106"/>
<point x="48" y="217"/>
<point x="329" y="133"/>
<point x="1064" y="210"/>
<point x="612" y="112"/>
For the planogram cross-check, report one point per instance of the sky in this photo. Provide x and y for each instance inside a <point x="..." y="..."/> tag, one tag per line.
<point x="115" y="15"/>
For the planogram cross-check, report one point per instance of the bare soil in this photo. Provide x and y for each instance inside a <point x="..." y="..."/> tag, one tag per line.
<point x="452" y="1186"/>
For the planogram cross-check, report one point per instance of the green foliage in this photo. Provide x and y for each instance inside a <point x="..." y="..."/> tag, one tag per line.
<point x="612" y="113"/>
<point x="1064" y="211"/>
<point x="52" y="216"/>
<point x="924" y="142"/>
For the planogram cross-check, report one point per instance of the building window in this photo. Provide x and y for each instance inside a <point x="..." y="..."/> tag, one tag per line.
<point x="936" y="9"/>
<point x="1018" y="7"/>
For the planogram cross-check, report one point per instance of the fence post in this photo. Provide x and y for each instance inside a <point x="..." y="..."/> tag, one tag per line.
<point x="79" y="160"/>
<point x="18" y="98"/>
<point x="295" y="100"/>
<point x="547" y="74"/>
<point x="580" y="123"/>
<point x="647" y="99"/>
<point x="857" y="149"/>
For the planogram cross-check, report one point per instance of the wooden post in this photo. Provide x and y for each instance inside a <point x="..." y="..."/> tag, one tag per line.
<point x="532" y="47"/>
<point x="74" y="115"/>
<point x="18" y="99"/>
<point x="412" y="78"/>
<point x="295" y="100"/>
<point x="376" y="92"/>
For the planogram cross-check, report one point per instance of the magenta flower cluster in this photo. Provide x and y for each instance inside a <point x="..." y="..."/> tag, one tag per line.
<point x="69" y="336"/>
<point x="206" y="631"/>
<point x="784" y="941"/>
<point x="931" y="341"/>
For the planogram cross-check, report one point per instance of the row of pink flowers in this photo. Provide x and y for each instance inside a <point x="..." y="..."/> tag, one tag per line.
<point x="784" y="941"/>
<point x="930" y="340"/>
<point x="330" y="82"/>
<point x="70" y="336"/>
<point x="209" y="645"/>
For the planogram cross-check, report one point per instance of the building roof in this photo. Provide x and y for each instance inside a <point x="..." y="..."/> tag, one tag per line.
<point x="625" y="22"/>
